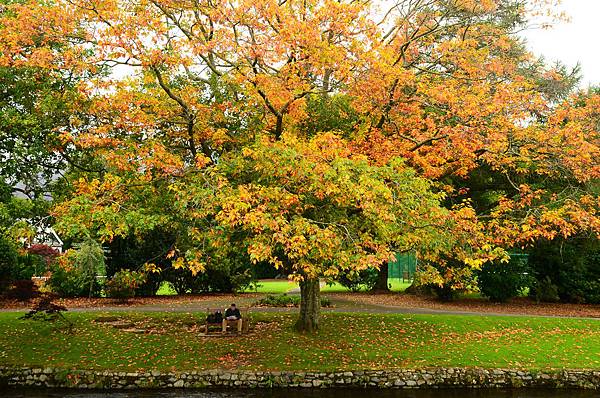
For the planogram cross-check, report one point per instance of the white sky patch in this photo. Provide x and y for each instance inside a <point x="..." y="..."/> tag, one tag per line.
<point x="576" y="40"/>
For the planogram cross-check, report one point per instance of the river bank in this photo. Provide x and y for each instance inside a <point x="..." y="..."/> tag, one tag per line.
<point x="301" y="393"/>
<point x="380" y="379"/>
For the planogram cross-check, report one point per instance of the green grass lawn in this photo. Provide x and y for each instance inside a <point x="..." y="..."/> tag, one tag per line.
<point x="346" y="341"/>
<point x="263" y="286"/>
<point x="273" y="287"/>
<point x="284" y="286"/>
<point x="397" y="285"/>
<point x="166" y="289"/>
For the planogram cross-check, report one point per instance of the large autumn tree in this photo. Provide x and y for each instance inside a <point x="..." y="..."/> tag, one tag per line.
<point x="311" y="133"/>
<point x="205" y="136"/>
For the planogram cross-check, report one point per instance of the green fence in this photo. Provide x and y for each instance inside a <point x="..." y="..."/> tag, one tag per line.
<point x="403" y="267"/>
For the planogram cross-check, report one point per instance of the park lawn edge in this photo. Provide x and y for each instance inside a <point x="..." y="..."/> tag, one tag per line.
<point x="403" y="378"/>
<point x="369" y="342"/>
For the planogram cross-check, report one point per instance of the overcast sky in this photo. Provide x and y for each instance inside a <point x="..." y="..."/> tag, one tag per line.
<point x="575" y="41"/>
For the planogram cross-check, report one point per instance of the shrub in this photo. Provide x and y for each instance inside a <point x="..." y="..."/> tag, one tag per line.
<point x="15" y="266"/>
<point x="124" y="283"/>
<point x="76" y="272"/>
<point x="326" y="302"/>
<point x="447" y="278"/>
<point x="29" y="265"/>
<point x="241" y="281"/>
<point x="546" y="291"/>
<point x="69" y="280"/>
<point x="283" y="300"/>
<point x="183" y="281"/>
<point x="89" y="261"/>
<point x="570" y="266"/>
<point x="444" y="292"/>
<point x="231" y="273"/>
<point x="502" y="281"/>
<point x="132" y="252"/>
<point x="22" y="290"/>
<point x="228" y="277"/>
<point x="46" y="310"/>
<point x="265" y="270"/>
<point x="356" y="281"/>
<point x="8" y="262"/>
<point x="592" y="291"/>
<point x="47" y="253"/>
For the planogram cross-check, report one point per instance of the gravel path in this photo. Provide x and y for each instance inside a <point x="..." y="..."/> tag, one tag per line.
<point x="340" y="302"/>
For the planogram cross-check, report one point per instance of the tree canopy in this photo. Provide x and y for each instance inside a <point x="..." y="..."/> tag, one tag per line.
<point x="319" y="135"/>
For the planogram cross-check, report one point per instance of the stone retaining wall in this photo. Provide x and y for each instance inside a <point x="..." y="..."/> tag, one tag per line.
<point x="420" y="378"/>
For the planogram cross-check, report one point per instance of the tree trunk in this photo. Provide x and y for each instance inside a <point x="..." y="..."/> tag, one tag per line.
<point x="310" y="306"/>
<point x="382" y="279"/>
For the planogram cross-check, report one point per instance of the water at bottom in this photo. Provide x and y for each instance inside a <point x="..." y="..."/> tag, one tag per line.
<point x="303" y="393"/>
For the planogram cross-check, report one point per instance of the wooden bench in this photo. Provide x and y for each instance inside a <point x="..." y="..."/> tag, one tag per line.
<point x="230" y="324"/>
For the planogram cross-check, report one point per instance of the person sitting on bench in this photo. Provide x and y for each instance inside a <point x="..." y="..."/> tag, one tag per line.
<point x="232" y="314"/>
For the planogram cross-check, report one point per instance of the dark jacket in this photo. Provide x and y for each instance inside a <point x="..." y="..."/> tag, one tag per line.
<point x="229" y="312"/>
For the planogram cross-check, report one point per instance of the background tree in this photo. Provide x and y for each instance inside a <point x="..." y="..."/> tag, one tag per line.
<point x="90" y="261"/>
<point x="39" y="95"/>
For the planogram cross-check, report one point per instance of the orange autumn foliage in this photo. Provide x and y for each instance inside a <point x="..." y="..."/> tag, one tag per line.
<point x="193" y="87"/>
